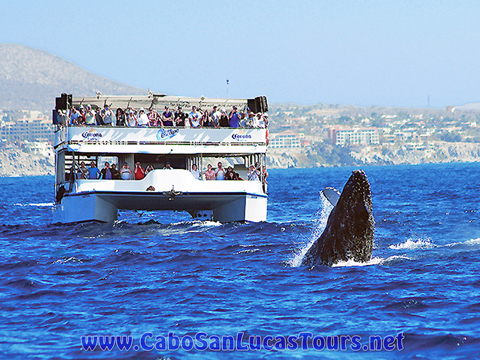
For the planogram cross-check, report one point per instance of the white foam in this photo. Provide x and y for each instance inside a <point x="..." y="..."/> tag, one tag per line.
<point x="36" y="204"/>
<point x="319" y="225"/>
<point x="468" y="242"/>
<point x="372" y="261"/>
<point x="412" y="244"/>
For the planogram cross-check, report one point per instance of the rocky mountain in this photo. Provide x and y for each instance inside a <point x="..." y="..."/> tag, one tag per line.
<point x="30" y="79"/>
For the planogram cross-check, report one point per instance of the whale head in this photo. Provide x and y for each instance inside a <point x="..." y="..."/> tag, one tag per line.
<point x="349" y="232"/>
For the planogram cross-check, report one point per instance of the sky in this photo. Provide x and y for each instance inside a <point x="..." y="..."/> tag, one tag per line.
<point x="398" y="53"/>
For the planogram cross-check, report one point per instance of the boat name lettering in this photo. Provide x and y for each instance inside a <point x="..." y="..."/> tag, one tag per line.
<point x="164" y="134"/>
<point x="241" y="137"/>
<point x="89" y="135"/>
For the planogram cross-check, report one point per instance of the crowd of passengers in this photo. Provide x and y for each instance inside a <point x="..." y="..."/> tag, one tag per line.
<point x="197" y="118"/>
<point x="110" y="172"/>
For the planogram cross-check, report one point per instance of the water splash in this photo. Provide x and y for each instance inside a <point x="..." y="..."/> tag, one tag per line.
<point x="320" y="223"/>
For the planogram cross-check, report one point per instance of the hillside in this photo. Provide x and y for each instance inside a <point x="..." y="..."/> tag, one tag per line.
<point x="30" y="79"/>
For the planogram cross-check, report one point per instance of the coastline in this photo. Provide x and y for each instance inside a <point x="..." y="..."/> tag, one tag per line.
<point x="15" y="162"/>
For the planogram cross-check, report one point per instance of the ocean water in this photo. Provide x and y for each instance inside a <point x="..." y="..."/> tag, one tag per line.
<point x="151" y="274"/>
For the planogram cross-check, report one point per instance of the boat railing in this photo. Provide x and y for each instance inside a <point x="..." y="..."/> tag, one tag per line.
<point x="107" y="135"/>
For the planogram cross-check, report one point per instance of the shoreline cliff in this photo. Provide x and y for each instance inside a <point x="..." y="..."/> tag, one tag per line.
<point x="16" y="162"/>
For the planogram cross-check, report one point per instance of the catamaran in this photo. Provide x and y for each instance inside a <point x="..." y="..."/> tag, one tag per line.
<point x="82" y="199"/>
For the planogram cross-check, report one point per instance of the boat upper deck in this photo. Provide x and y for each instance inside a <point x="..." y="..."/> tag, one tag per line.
<point x="161" y="139"/>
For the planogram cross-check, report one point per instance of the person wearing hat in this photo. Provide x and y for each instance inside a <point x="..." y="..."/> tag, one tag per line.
<point x="142" y="120"/>
<point x="90" y="116"/>
<point x="167" y="166"/>
<point x="180" y="117"/>
<point x="167" y="117"/>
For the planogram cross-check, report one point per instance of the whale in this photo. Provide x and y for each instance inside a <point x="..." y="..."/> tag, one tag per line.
<point x="350" y="228"/>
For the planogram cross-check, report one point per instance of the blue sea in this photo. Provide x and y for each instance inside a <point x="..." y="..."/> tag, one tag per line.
<point x="152" y="274"/>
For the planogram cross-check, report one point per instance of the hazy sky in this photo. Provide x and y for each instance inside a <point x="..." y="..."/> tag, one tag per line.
<point x="383" y="53"/>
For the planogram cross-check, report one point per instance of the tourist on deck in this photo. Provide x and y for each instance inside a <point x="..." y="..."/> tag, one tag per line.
<point x="264" y="178"/>
<point x="82" y="171"/>
<point x="81" y="117"/>
<point x="90" y="116"/>
<point x="154" y="118"/>
<point x="195" y="172"/>
<point x="220" y="173"/>
<point x="98" y="117"/>
<point x="149" y="168"/>
<point x="142" y="120"/>
<point x="252" y="174"/>
<point x="231" y="175"/>
<point x="108" y="116"/>
<point x="215" y="117"/>
<point x="74" y="114"/>
<point x="265" y="120"/>
<point x="210" y="173"/>
<point x="251" y="121"/>
<point x="234" y="118"/>
<point x="93" y="172"/>
<point x="131" y="119"/>
<point x="62" y="118"/>
<point x="223" y="122"/>
<point x="120" y="115"/>
<point x="115" y="173"/>
<point x="260" y="123"/>
<point x="194" y="118"/>
<point x="139" y="171"/>
<point x="167" y="166"/>
<point x="180" y="117"/>
<point x="167" y="117"/>
<point x="106" y="172"/>
<point x="243" y="120"/>
<point x="205" y="119"/>
<point x="125" y="171"/>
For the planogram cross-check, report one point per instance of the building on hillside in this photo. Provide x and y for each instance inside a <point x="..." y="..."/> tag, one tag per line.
<point x="287" y="139"/>
<point x="41" y="128"/>
<point x="343" y="135"/>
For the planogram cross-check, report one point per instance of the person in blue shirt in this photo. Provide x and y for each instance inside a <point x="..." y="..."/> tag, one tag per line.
<point x="93" y="172"/>
<point x="234" y="118"/>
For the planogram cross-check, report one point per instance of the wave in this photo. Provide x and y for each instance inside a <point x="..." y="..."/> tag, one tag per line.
<point x="412" y="244"/>
<point x="36" y="204"/>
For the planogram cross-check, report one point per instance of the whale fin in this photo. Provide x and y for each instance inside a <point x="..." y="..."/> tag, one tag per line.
<point x="331" y="194"/>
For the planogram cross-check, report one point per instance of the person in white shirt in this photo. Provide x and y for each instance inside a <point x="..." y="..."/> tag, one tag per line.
<point x="194" y="118"/>
<point x="252" y="174"/>
<point x="142" y="118"/>
<point x="195" y="172"/>
<point x="90" y="116"/>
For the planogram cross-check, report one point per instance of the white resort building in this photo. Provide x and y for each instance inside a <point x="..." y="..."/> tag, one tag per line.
<point x="343" y="135"/>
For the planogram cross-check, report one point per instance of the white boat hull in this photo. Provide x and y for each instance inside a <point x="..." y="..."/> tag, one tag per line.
<point x="223" y="201"/>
